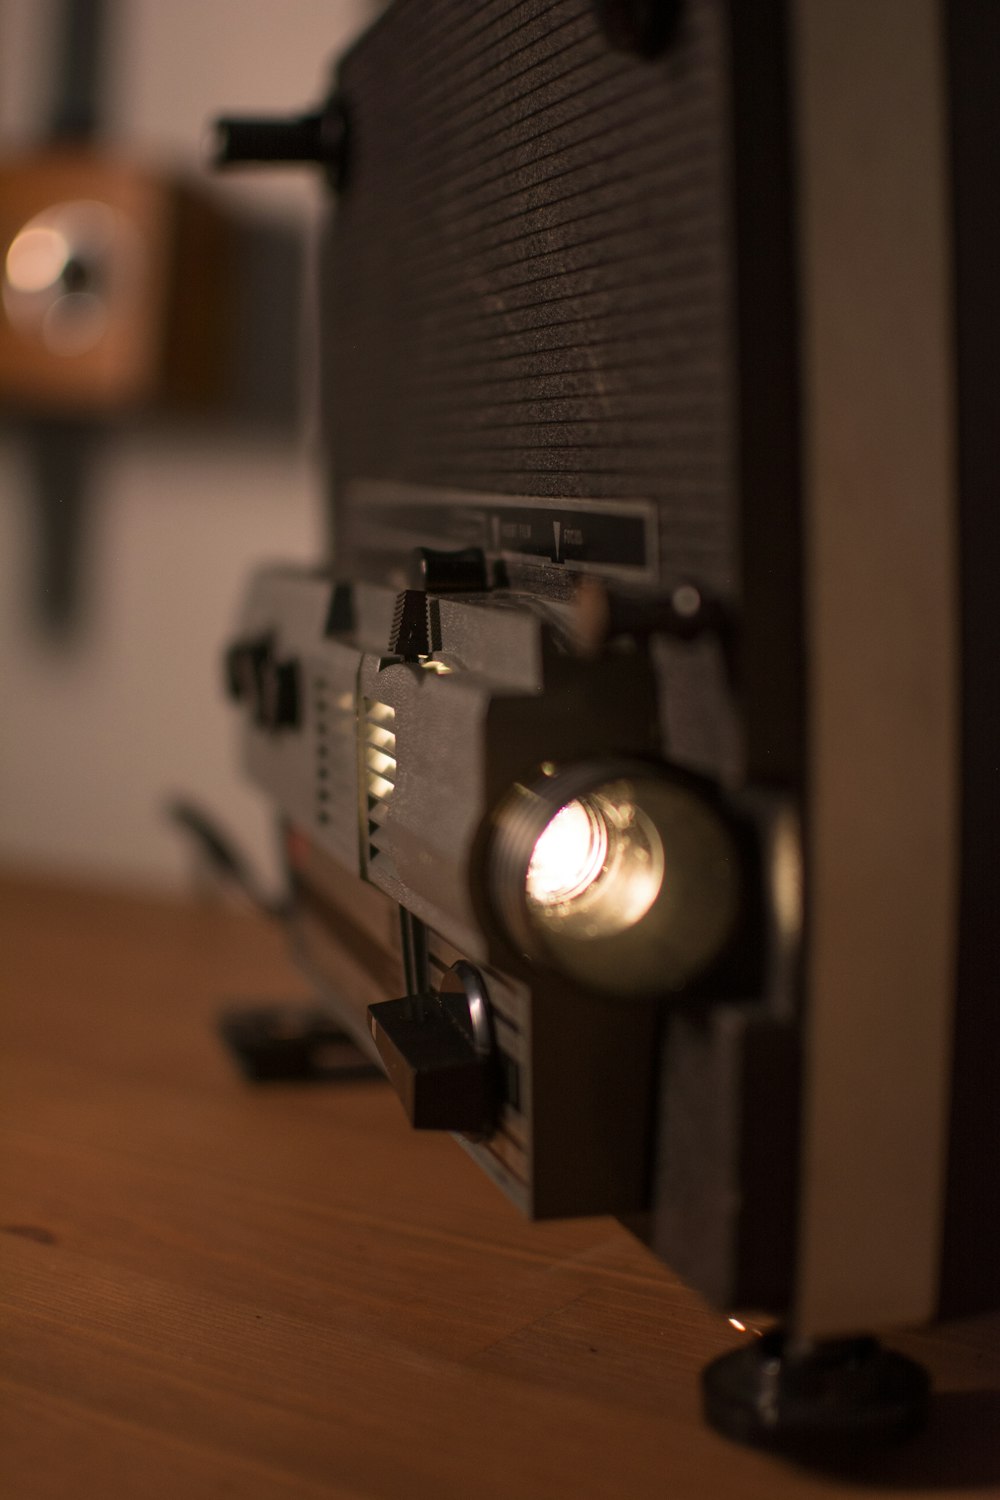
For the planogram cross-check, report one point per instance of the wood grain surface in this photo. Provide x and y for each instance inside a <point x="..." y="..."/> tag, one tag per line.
<point x="215" y="1290"/>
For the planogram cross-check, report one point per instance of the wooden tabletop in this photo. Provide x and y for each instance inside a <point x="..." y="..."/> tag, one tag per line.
<point x="211" y="1289"/>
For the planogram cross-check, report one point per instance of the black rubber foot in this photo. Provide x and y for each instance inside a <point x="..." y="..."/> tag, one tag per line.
<point x="816" y="1401"/>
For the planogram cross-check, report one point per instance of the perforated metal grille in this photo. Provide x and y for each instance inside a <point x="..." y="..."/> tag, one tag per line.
<point x="528" y="285"/>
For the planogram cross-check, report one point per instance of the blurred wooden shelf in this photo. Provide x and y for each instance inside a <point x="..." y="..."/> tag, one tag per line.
<point x="210" y="1289"/>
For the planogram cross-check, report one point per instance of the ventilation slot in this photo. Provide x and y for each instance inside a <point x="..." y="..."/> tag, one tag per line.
<point x="379" y="767"/>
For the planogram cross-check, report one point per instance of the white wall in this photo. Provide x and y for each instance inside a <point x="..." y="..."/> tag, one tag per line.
<point x="93" y="738"/>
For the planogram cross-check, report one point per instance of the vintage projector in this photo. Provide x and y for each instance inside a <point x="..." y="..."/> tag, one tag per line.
<point x="633" y="745"/>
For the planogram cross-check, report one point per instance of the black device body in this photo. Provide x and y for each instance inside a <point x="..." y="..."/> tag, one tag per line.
<point x="595" y="448"/>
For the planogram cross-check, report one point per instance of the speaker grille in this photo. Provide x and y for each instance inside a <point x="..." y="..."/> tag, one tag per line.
<point x="528" y="283"/>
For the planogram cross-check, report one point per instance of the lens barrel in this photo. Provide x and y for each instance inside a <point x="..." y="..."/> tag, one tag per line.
<point x="620" y="875"/>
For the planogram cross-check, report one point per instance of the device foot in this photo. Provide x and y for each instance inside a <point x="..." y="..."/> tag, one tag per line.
<point x="815" y="1400"/>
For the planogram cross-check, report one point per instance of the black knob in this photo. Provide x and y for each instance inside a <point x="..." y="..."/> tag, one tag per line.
<point x="438" y="1053"/>
<point x="269" y="686"/>
<point x="279" y="704"/>
<point x="244" y="664"/>
<point x="317" y="137"/>
<point x="462" y="571"/>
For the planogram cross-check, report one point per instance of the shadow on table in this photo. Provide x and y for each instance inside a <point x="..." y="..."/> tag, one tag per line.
<point x="959" y="1450"/>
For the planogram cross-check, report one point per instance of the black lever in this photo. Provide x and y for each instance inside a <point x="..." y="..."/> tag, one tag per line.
<point x="317" y="137"/>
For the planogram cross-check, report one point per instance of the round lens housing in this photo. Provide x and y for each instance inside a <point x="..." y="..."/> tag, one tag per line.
<point x="621" y="876"/>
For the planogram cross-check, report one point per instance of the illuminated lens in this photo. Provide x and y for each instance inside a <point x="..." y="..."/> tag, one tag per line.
<point x="597" y="867"/>
<point x="569" y="856"/>
<point x="624" y="879"/>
